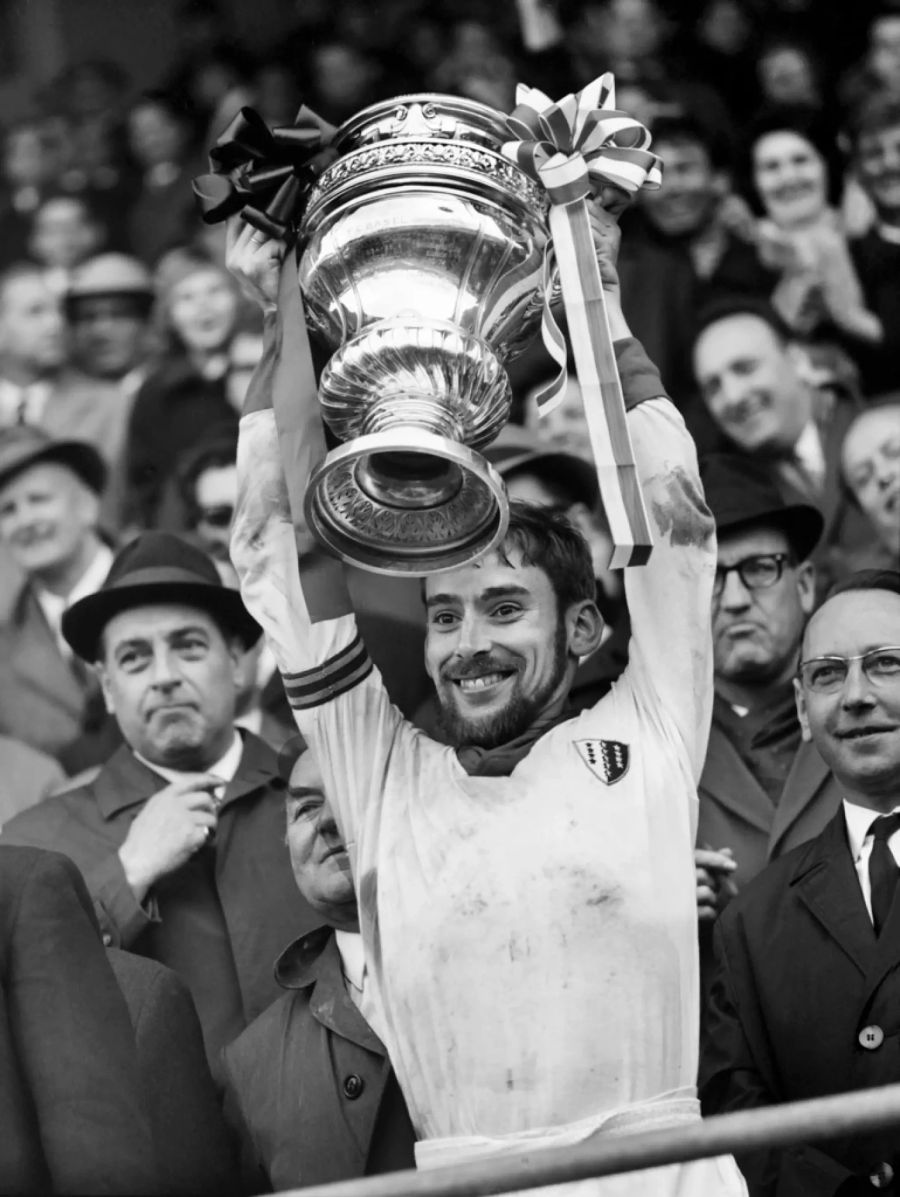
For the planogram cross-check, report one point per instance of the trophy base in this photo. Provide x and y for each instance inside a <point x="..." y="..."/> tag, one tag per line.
<point x="406" y="501"/>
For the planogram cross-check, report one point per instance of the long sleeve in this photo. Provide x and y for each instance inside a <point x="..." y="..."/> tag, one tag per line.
<point x="669" y="598"/>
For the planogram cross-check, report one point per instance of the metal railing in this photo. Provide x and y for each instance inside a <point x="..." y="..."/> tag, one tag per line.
<point x="746" y="1130"/>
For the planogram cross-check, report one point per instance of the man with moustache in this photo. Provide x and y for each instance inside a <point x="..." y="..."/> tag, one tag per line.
<point x="805" y="997"/>
<point x="540" y="874"/>
<point x="309" y="1089"/>
<point x="180" y="835"/>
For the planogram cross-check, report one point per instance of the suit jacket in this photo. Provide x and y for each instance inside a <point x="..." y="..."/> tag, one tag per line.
<point x="805" y="1002"/>
<point x="308" y="1088"/>
<point x="192" y="1145"/>
<point x="44" y="698"/>
<point x="736" y="812"/>
<point x="71" y="1112"/>
<point x="221" y="919"/>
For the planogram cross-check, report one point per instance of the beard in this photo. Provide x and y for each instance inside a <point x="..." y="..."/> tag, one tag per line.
<point x="512" y="720"/>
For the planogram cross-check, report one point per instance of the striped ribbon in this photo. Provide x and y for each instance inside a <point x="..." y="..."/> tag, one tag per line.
<point x="572" y="147"/>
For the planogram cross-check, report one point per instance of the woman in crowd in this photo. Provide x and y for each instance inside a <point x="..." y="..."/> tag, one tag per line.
<point x="793" y="179"/>
<point x="190" y="391"/>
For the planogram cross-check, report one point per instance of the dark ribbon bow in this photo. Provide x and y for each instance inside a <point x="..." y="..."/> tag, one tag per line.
<point x="264" y="173"/>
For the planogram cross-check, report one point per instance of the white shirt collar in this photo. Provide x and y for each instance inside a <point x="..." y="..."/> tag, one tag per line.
<point x="53" y="605"/>
<point x="353" y="959"/>
<point x="859" y="819"/>
<point x="808" y="450"/>
<point x="225" y="767"/>
<point x="12" y="394"/>
<point x="251" y="720"/>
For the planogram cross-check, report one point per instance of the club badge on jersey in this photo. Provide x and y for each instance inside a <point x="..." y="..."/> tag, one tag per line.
<point x="608" y="760"/>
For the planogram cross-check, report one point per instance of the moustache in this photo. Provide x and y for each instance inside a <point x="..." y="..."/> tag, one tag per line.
<point x="477" y="667"/>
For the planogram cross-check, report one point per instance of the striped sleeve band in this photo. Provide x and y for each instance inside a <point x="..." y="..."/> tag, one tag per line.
<point x="334" y="677"/>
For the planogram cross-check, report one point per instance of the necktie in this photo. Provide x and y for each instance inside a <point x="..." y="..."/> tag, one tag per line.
<point x="883" y="870"/>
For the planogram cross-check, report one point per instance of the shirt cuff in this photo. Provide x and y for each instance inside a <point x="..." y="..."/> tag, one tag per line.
<point x="122" y="918"/>
<point x="640" y="378"/>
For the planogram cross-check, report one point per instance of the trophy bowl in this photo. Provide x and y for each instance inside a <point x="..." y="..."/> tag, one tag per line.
<point x="420" y="262"/>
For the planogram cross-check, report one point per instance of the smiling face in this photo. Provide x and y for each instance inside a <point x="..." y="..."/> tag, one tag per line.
<point x="756" y="633"/>
<point x="170" y="678"/>
<point x="690" y="192"/>
<point x="750" y="384"/>
<point x="790" y="178"/>
<point x="870" y="459"/>
<point x="47" y="518"/>
<point x="497" y="648"/>
<point x="877" y="161"/>
<point x="318" y="855"/>
<point x="857" y="728"/>
<point x="203" y="308"/>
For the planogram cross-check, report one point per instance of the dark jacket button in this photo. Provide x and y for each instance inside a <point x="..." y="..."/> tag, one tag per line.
<point x="353" y="1086"/>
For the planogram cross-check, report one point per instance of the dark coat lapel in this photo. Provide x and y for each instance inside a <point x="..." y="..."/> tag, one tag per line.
<point x="35" y="656"/>
<point x="825" y="881"/>
<point x="124" y="781"/>
<point x="808" y="774"/>
<point x="728" y="781"/>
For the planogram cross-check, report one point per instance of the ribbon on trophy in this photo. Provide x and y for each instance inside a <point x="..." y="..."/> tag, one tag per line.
<point x="572" y="147"/>
<point x="263" y="175"/>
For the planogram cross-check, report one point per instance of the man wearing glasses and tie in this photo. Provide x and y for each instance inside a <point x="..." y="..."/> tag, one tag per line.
<point x="806" y="996"/>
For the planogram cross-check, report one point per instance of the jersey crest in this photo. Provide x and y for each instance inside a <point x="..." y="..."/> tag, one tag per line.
<point x="608" y="760"/>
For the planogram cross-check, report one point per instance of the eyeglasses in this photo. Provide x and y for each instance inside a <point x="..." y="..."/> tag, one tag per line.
<point x="826" y="675"/>
<point x="756" y="573"/>
<point x="217" y="517"/>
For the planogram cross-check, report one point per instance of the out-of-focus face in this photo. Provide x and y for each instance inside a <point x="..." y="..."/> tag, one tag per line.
<point x="633" y="29"/>
<point x="156" y="137"/>
<point x="750" y="384"/>
<point x="107" y="334"/>
<point x="870" y="459"/>
<point x="203" y="308"/>
<point x="63" y="233"/>
<point x="877" y="161"/>
<point x="27" y="161"/>
<point x="857" y="727"/>
<point x="170" y="678"/>
<point x="496" y="648"/>
<point x="343" y="77"/>
<point x="756" y="632"/>
<point x="690" y="192"/>
<point x="318" y="855"/>
<point x="790" y="178"/>
<point x="884" y="50"/>
<point x="31" y="324"/>
<point x="46" y="516"/>
<point x="215" y="495"/>
<point x="786" y="76"/>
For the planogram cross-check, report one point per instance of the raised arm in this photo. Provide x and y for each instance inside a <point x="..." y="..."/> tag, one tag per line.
<point x="670" y="654"/>
<point x="294" y="589"/>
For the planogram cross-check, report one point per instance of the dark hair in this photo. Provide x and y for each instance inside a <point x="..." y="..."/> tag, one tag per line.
<point x="216" y="451"/>
<point x="741" y="305"/>
<point x="807" y="123"/>
<point x="552" y="543"/>
<point x="684" y="128"/>
<point x="866" y="579"/>
<point x="874" y="114"/>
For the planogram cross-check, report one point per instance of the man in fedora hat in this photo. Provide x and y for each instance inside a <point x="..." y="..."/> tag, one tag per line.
<point x="180" y="836"/>
<point x="762" y="791"/>
<point x="49" y="514"/>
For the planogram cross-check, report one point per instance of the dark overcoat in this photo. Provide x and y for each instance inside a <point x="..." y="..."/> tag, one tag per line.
<point x="805" y="1002"/>
<point x="221" y="919"/>
<point x="308" y="1087"/>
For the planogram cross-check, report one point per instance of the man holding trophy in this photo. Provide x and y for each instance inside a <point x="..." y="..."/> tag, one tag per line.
<point x="527" y="898"/>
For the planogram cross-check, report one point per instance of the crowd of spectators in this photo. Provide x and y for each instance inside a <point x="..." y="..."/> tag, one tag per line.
<point x="763" y="279"/>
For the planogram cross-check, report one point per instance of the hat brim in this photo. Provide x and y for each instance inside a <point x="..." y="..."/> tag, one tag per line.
<point x="801" y="523"/>
<point x="83" y="623"/>
<point x="80" y="457"/>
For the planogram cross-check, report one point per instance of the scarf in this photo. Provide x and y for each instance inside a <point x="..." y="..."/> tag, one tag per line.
<point x="500" y="761"/>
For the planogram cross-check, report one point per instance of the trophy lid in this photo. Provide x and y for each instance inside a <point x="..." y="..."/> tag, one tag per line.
<point x="424" y="115"/>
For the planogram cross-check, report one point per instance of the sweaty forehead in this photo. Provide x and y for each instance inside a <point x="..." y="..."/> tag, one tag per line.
<point x="853" y="622"/>
<point x="306" y="773"/>
<point x="750" y="542"/>
<point x="157" y="620"/>
<point x="742" y="334"/>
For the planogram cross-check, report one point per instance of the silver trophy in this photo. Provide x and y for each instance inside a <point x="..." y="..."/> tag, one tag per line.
<point x="420" y="264"/>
